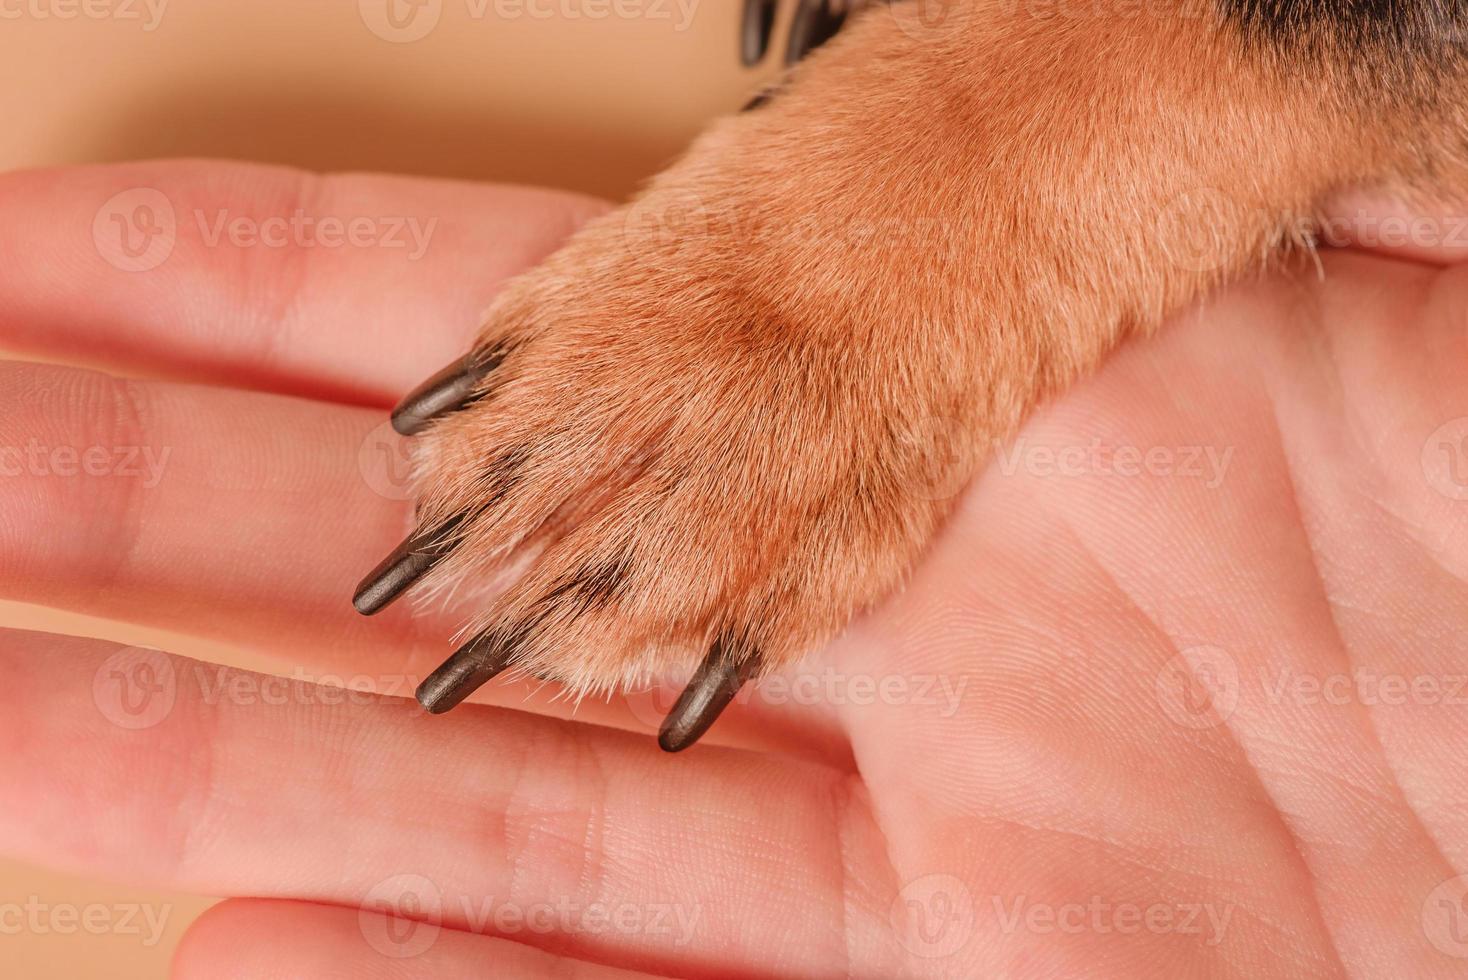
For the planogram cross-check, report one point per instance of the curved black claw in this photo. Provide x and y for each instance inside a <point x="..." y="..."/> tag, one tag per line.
<point x="406" y="565"/>
<point x="472" y="666"/>
<point x="712" y="689"/>
<point x="447" y="391"/>
<point x="815" y="23"/>
<point x="759" y="24"/>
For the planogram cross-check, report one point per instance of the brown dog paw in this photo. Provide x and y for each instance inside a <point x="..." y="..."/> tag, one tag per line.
<point x="724" y="419"/>
<point x="655" y="455"/>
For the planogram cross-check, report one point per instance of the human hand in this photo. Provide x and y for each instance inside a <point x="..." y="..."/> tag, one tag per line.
<point x="1174" y="694"/>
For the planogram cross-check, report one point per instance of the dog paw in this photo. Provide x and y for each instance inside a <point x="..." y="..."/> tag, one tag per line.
<point x="661" y="450"/>
<point x="723" y="420"/>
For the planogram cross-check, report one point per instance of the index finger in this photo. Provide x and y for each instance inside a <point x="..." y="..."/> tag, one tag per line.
<point x="350" y="287"/>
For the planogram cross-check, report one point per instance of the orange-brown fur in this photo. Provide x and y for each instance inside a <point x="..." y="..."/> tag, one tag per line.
<point x="743" y="404"/>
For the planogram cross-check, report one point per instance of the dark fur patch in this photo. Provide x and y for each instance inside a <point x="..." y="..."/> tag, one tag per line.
<point x="502" y="474"/>
<point x="594" y="585"/>
<point x="1408" y="27"/>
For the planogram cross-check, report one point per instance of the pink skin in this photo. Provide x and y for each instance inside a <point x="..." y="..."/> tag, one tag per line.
<point x="1081" y="808"/>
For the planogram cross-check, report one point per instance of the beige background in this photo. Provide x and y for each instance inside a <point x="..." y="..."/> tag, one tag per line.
<point x="590" y="95"/>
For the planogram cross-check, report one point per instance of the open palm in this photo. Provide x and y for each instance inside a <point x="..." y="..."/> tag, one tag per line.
<point x="1180" y="691"/>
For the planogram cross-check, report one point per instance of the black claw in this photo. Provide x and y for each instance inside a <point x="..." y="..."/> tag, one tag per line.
<point x="759" y="23"/>
<point x="406" y="565"/>
<point x="472" y="666"/>
<point x="447" y="391"/>
<point x="712" y="689"/>
<point x="815" y="23"/>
